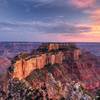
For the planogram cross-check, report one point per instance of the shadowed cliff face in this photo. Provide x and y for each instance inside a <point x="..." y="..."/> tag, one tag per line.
<point x="61" y="62"/>
<point x="4" y="64"/>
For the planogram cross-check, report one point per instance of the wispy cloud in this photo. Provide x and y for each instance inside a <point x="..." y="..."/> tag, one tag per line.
<point x="94" y="16"/>
<point x="37" y="19"/>
<point x="48" y="3"/>
<point x="38" y="3"/>
<point x="82" y="3"/>
<point x="54" y="26"/>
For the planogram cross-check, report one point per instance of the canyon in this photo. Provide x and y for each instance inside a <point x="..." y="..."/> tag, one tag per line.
<point x="64" y="61"/>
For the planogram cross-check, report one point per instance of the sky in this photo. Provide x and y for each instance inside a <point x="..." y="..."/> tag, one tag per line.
<point x="50" y="20"/>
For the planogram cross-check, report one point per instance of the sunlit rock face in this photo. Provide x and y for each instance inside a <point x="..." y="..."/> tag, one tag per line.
<point x="59" y="58"/>
<point x="26" y="68"/>
<point x="22" y="68"/>
<point x="41" y="61"/>
<point x="18" y="69"/>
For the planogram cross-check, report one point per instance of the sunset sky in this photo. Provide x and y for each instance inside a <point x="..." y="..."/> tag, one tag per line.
<point x="50" y="20"/>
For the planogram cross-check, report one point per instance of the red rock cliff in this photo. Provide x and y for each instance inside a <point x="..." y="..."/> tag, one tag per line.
<point x="23" y="67"/>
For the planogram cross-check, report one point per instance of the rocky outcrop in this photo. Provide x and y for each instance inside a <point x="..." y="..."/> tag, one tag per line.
<point x="23" y="67"/>
<point x="64" y="61"/>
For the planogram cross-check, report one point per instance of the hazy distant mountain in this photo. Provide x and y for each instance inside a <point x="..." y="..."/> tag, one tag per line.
<point x="10" y="49"/>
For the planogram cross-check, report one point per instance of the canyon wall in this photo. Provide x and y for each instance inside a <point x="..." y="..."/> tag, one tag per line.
<point x="18" y="69"/>
<point x="23" y="67"/>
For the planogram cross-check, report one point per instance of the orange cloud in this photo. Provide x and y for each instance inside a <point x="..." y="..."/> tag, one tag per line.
<point x="95" y="16"/>
<point x="93" y="35"/>
<point x="83" y="3"/>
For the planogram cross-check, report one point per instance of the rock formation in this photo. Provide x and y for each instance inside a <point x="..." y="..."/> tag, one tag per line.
<point x="23" y="67"/>
<point x="65" y="61"/>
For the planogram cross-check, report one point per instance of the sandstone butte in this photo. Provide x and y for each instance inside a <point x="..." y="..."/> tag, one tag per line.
<point x="82" y="65"/>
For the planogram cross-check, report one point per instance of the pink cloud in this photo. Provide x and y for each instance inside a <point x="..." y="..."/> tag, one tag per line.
<point x="80" y="38"/>
<point x="69" y="38"/>
<point x="82" y="3"/>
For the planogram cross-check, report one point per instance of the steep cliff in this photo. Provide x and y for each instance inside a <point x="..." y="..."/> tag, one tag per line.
<point x="23" y="67"/>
